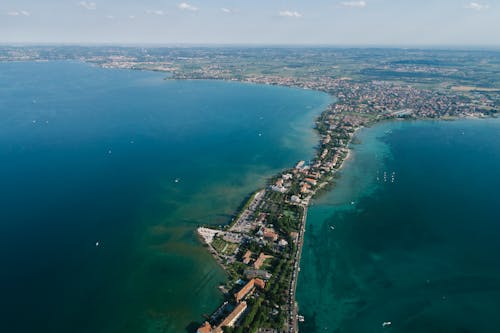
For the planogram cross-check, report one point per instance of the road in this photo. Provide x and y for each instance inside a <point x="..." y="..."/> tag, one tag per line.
<point x="292" y="324"/>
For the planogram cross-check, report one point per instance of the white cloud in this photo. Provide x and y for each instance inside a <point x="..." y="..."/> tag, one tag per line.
<point x="186" y="6"/>
<point x="88" y="5"/>
<point x="226" y="10"/>
<point x="476" y="6"/>
<point x="19" y="13"/>
<point x="353" y="4"/>
<point x="110" y="17"/>
<point x="131" y="17"/>
<point x="288" y="13"/>
<point x="155" y="12"/>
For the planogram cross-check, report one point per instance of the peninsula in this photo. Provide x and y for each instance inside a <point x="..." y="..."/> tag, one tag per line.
<point x="260" y="248"/>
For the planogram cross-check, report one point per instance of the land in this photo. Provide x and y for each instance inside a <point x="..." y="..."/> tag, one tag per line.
<point x="260" y="248"/>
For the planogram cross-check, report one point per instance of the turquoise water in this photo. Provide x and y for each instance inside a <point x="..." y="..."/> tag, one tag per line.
<point x="134" y="162"/>
<point x="420" y="252"/>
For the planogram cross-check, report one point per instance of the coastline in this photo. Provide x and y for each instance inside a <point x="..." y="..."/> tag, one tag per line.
<point x="348" y="272"/>
<point x="329" y="119"/>
<point x="293" y="315"/>
<point x="325" y="186"/>
<point x="332" y="121"/>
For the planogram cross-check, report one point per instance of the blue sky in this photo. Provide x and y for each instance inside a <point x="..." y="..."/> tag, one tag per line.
<point x="344" y="22"/>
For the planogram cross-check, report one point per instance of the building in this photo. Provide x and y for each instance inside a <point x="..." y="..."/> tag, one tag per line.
<point x="257" y="273"/>
<point x="282" y="242"/>
<point x="300" y="164"/>
<point x="231" y="319"/>
<point x="247" y="257"/>
<point x="248" y="288"/>
<point x="262" y="218"/>
<point x="260" y="261"/>
<point x="270" y="234"/>
<point x="277" y="188"/>
<point x="259" y="283"/>
<point x="305" y="188"/>
<point x="335" y="159"/>
<point x="311" y="181"/>
<point x="205" y="328"/>
<point x="324" y="153"/>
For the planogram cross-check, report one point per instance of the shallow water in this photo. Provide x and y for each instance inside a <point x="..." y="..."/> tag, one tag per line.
<point x="419" y="252"/>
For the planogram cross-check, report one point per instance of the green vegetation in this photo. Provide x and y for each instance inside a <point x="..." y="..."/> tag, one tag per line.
<point x="223" y="247"/>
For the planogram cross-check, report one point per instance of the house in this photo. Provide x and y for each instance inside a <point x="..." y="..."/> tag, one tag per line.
<point x="231" y="319"/>
<point x="205" y="328"/>
<point x="270" y="234"/>
<point x="248" y="288"/>
<point x="257" y="273"/>
<point x="247" y="257"/>
<point x="282" y="242"/>
<point x="259" y="283"/>
<point x="311" y="181"/>
<point x="260" y="260"/>
<point x="300" y="164"/>
<point x="305" y="188"/>
<point x="324" y="153"/>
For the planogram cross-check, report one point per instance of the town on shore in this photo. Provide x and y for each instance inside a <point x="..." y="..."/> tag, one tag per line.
<point x="260" y="248"/>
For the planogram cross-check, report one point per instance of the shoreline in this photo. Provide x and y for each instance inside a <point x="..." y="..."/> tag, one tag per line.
<point x="292" y="304"/>
<point x="341" y="123"/>
<point x="326" y="185"/>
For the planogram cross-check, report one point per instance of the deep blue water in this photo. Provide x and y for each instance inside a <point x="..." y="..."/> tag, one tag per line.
<point x="420" y="252"/>
<point x="92" y="155"/>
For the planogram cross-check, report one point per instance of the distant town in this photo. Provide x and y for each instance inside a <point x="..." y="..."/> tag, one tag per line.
<point x="260" y="248"/>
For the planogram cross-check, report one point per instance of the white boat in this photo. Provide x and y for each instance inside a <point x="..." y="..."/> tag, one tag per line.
<point x="386" y="323"/>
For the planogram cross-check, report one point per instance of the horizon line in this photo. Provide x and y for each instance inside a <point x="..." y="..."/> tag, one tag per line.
<point x="258" y="45"/>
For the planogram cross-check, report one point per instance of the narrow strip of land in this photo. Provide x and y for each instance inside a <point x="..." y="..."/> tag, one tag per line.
<point x="261" y="249"/>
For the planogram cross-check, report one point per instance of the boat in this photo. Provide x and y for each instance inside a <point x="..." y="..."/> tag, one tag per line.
<point x="96" y="244"/>
<point x="386" y="323"/>
<point x="301" y="318"/>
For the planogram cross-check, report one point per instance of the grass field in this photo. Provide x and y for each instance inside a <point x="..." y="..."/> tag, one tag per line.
<point x="223" y="247"/>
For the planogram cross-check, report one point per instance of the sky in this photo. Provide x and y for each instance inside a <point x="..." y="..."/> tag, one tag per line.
<point x="343" y="22"/>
